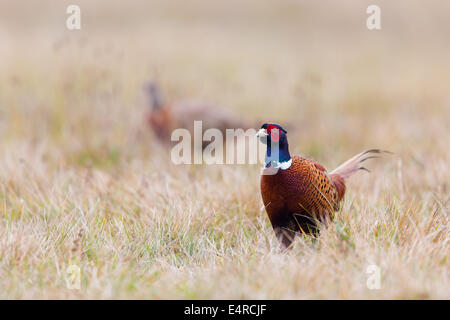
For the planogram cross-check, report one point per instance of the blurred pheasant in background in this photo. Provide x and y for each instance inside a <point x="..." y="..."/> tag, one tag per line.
<point x="298" y="192"/>
<point x="163" y="118"/>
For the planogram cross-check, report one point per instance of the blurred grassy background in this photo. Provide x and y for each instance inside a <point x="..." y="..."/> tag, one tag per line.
<point x="73" y="135"/>
<point x="314" y="64"/>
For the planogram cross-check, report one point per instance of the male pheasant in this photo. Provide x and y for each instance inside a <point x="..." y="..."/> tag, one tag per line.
<point x="297" y="192"/>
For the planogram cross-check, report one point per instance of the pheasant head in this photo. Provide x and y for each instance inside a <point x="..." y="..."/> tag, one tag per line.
<point x="277" y="153"/>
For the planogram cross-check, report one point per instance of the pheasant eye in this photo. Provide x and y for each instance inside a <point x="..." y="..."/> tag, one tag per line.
<point x="270" y="127"/>
<point x="274" y="133"/>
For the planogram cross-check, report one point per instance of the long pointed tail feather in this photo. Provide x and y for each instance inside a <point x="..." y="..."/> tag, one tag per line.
<point x="354" y="164"/>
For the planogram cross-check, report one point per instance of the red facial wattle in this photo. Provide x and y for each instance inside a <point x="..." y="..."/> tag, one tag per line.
<point x="274" y="133"/>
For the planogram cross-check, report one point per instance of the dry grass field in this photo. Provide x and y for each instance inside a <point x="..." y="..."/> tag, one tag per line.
<point x="84" y="182"/>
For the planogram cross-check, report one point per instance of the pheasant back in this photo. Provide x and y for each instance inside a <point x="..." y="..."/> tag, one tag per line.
<point x="297" y="198"/>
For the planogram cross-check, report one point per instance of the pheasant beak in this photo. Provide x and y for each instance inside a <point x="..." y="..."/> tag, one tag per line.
<point x="262" y="133"/>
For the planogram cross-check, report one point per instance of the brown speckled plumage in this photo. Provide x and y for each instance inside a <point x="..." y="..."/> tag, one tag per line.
<point x="297" y="197"/>
<point x="163" y="118"/>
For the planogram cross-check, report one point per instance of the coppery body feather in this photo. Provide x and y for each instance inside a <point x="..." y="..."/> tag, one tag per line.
<point x="297" y="197"/>
<point x="300" y="194"/>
